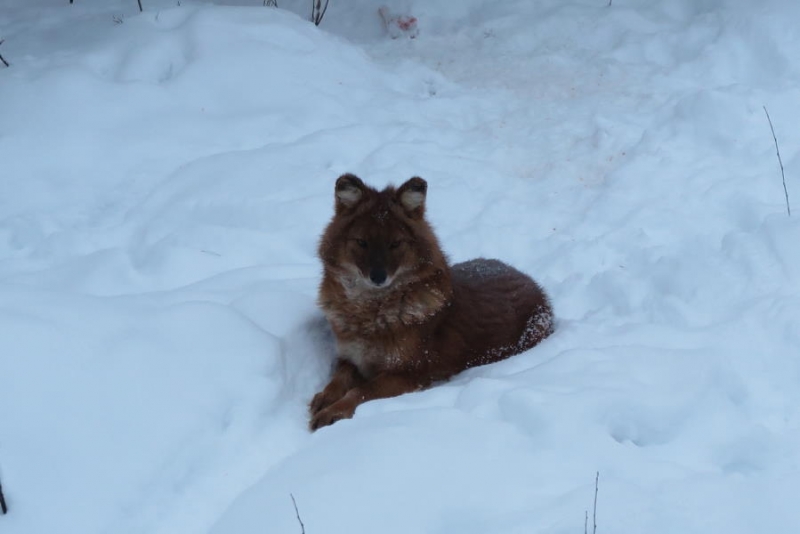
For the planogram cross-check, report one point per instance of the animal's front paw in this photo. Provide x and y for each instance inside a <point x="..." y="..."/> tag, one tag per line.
<point x="342" y="409"/>
<point x="325" y="398"/>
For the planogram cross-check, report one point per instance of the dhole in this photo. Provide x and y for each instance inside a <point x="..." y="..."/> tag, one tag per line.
<point x="402" y="317"/>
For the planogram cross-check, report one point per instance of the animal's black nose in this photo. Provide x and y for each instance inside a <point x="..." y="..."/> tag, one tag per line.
<point x="378" y="276"/>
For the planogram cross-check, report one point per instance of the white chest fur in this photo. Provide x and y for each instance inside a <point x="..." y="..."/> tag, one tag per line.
<point x="370" y="359"/>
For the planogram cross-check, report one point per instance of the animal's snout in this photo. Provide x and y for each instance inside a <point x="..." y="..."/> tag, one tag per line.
<point x="378" y="276"/>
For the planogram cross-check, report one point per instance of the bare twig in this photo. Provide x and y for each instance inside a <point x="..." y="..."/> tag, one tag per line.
<point x="318" y="11"/>
<point x="2" y="59"/>
<point x="594" y="511"/>
<point x="140" y="5"/>
<point x="780" y="162"/>
<point x="3" y="507"/>
<point x="297" y="513"/>
<point x="324" y="10"/>
<point x="270" y="3"/>
<point x="586" y="522"/>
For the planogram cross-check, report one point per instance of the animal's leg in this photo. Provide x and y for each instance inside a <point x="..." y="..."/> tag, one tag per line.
<point x="381" y="386"/>
<point x="345" y="377"/>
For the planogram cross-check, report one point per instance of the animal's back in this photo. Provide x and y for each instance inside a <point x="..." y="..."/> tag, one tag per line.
<point x="498" y="311"/>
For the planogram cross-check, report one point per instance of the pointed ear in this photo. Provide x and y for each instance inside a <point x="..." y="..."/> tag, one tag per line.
<point x="349" y="191"/>
<point x="411" y="196"/>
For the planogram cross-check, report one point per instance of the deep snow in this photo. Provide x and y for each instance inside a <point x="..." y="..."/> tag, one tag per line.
<point x="163" y="183"/>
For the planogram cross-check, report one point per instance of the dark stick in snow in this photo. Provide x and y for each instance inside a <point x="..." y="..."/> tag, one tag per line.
<point x="780" y="162"/>
<point x="297" y="513"/>
<point x="594" y="512"/>
<point x="140" y="5"/>
<point x="3" y="507"/>
<point x="318" y="11"/>
<point x="324" y="10"/>
<point x="1" y="55"/>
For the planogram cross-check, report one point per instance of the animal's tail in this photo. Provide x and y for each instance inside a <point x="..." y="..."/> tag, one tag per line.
<point x="540" y="324"/>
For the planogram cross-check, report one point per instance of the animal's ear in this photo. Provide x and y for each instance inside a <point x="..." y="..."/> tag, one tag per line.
<point x="412" y="197"/>
<point x="349" y="191"/>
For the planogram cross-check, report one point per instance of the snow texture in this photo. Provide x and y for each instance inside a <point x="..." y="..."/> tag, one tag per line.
<point x="165" y="176"/>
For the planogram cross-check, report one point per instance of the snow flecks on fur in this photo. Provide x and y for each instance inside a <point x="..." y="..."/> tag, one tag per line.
<point x="381" y="216"/>
<point x="481" y="268"/>
<point x="538" y="326"/>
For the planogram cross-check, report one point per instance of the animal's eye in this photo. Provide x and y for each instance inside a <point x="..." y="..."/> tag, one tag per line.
<point x="361" y="243"/>
<point x="395" y="244"/>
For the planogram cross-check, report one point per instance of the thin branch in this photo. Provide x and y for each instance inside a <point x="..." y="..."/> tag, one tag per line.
<point x="3" y="507"/>
<point x="140" y="5"/>
<point x="780" y="162"/>
<point x="324" y="10"/>
<point x="2" y="59"/>
<point x="586" y="522"/>
<point x="318" y="11"/>
<point x="297" y="513"/>
<point x="594" y="511"/>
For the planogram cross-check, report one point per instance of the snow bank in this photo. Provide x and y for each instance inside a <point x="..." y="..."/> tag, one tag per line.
<point x="164" y="182"/>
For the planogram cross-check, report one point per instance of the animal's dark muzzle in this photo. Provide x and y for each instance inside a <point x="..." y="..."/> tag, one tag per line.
<point x="377" y="276"/>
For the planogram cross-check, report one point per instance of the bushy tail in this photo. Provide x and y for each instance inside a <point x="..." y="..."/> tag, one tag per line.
<point x="540" y="324"/>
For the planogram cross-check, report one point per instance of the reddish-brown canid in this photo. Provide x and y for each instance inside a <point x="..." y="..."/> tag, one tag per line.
<point x="402" y="317"/>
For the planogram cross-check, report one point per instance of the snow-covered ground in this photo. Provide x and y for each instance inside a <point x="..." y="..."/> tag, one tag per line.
<point x="164" y="178"/>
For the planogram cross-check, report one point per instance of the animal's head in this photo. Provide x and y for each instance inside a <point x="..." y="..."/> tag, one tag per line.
<point x="379" y="238"/>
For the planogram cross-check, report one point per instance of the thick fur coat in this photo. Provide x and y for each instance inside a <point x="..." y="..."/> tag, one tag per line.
<point x="402" y="317"/>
